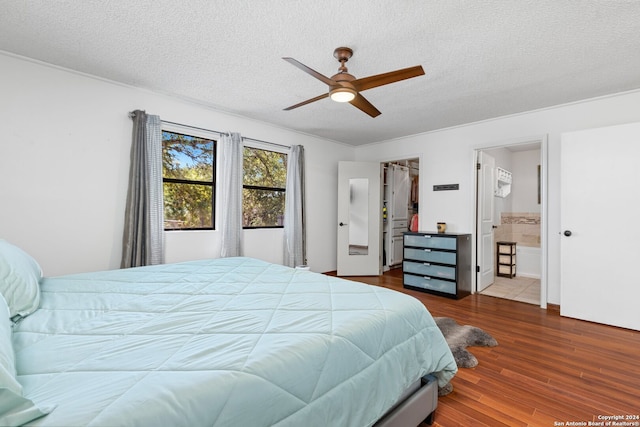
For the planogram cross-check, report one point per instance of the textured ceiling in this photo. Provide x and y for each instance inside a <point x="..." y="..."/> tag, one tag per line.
<point x="482" y="59"/>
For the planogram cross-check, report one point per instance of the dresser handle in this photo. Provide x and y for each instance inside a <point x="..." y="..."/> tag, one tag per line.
<point x="427" y="237"/>
<point x="427" y="264"/>
<point x="427" y="250"/>
<point x="426" y="277"/>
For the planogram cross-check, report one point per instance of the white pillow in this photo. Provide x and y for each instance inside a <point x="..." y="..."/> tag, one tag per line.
<point x="7" y="357"/>
<point x="15" y="409"/>
<point x="19" y="280"/>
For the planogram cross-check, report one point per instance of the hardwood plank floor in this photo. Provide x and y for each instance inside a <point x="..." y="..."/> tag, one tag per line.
<point x="547" y="370"/>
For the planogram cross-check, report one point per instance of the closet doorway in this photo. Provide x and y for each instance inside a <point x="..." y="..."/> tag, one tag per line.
<point x="400" y="205"/>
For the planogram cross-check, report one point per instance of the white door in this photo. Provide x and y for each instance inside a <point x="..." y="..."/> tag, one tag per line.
<point x="359" y="219"/>
<point x="399" y="185"/>
<point x="400" y="193"/>
<point x="485" y="252"/>
<point x="600" y="235"/>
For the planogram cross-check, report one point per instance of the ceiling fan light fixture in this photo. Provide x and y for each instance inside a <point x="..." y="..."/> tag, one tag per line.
<point x="344" y="87"/>
<point x="342" y="94"/>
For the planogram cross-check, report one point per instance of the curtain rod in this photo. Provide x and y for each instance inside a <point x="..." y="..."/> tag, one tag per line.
<point x="224" y="133"/>
<point x="266" y="142"/>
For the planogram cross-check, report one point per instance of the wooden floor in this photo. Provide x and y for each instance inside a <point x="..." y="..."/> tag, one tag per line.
<point x="546" y="371"/>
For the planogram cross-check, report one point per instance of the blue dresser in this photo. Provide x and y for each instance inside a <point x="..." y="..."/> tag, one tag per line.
<point x="438" y="263"/>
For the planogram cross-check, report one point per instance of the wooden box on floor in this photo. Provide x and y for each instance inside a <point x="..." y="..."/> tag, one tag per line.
<point x="506" y="259"/>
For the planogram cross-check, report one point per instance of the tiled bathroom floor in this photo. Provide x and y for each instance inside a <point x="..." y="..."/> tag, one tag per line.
<point x="522" y="289"/>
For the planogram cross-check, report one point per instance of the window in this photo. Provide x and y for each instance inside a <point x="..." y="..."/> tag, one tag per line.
<point x="263" y="189"/>
<point x="188" y="180"/>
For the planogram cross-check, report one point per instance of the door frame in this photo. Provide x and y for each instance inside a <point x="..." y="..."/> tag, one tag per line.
<point x="406" y="157"/>
<point x="544" y="218"/>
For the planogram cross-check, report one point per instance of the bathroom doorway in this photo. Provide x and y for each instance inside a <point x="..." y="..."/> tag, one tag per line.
<point x="514" y="238"/>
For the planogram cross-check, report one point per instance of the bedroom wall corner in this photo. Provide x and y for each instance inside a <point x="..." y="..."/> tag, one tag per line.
<point x="447" y="158"/>
<point x="65" y="162"/>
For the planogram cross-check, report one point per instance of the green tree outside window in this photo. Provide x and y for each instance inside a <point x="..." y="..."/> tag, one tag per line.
<point x="263" y="193"/>
<point x="188" y="165"/>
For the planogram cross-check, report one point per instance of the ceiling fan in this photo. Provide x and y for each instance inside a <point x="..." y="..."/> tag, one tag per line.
<point x="344" y="87"/>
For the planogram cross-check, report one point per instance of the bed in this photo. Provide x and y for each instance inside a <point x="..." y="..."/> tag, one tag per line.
<point x="221" y="342"/>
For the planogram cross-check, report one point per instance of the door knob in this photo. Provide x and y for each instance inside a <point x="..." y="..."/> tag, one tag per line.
<point x="342" y="224"/>
<point x="567" y="233"/>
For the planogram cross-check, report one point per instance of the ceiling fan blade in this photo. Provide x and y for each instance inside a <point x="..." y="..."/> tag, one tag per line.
<point x="310" y="71"/>
<point x="386" y="78"/>
<point x="308" y="101"/>
<point x="361" y="102"/>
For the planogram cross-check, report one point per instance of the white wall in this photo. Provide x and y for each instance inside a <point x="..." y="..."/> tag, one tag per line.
<point x="524" y="190"/>
<point x="447" y="157"/>
<point x="64" y="162"/>
<point x="502" y="157"/>
<point x="64" y="159"/>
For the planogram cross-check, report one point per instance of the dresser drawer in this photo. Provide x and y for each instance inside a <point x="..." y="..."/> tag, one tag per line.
<point x="430" y="256"/>
<point x="507" y="270"/>
<point x="506" y="259"/>
<point x="430" y="283"/>
<point x="426" y="269"/>
<point x="399" y="223"/>
<point x="429" y="241"/>
<point x="398" y="232"/>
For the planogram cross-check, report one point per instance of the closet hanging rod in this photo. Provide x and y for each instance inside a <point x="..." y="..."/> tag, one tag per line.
<point x="224" y="133"/>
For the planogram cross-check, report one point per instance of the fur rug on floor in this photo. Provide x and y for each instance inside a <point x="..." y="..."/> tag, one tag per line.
<point x="459" y="337"/>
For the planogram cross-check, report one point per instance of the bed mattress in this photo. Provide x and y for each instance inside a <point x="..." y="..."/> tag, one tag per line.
<point x="223" y="342"/>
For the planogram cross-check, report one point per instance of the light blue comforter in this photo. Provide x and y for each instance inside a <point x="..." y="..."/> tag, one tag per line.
<point x="224" y="342"/>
